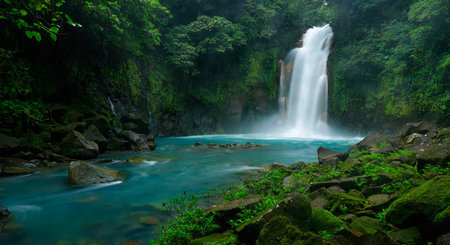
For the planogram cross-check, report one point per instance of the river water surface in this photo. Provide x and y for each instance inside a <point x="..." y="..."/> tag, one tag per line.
<point x="48" y="210"/>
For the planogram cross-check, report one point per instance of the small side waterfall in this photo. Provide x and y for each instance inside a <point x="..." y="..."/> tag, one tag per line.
<point x="304" y="85"/>
<point x="113" y="109"/>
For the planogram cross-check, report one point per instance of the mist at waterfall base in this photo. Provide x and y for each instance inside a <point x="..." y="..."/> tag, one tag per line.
<point x="303" y="91"/>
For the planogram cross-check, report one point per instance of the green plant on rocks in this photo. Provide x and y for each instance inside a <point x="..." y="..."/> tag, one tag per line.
<point x="326" y="223"/>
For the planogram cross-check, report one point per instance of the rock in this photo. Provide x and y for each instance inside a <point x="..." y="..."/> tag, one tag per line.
<point x="149" y="220"/>
<point x="138" y="122"/>
<point x="420" y="205"/>
<point x="323" y="220"/>
<point x="74" y="145"/>
<point x="84" y="173"/>
<point x="366" y="225"/>
<point x="444" y="135"/>
<point x="118" y="144"/>
<point x="229" y="210"/>
<point x="133" y="242"/>
<point x="438" y="154"/>
<point x="334" y="189"/>
<point x="443" y="239"/>
<point x="346" y="184"/>
<point x="93" y="134"/>
<point x="297" y="166"/>
<point x="99" y="122"/>
<point x="8" y="145"/>
<point x="407" y="236"/>
<point x="216" y="238"/>
<point x="340" y="203"/>
<point x="368" y="213"/>
<point x="139" y="142"/>
<point x="198" y="144"/>
<point x="15" y="166"/>
<point x="379" y="202"/>
<point x="419" y="128"/>
<point x="279" y="231"/>
<point x="411" y="138"/>
<point x="61" y="132"/>
<point x="349" y="166"/>
<point x="296" y="209"/>
<point x="274" y="166"/>
<point x="330" y="157"/>
<point x="441" y="221"/>
<point x="5" y="217"/>
<point x="372" y="141"/>
<point x="368" y="191"/>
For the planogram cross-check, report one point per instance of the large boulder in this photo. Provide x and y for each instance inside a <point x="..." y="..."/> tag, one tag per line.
<point x="420" y="205"/>
<point x="330" y="157"/>
<point x="5" y="217"/>
<point x="59" y="133"/>
<point x="139" y="142"/>
<point x="135" y="122"/>
<point x="75" y="145"/>
<point x="419" y="128"/>
<point x="94" y="134"/>
<point x="407" y="236"/>
<point x="229" y="210"/>
<point x="438" y="154"/>
<point x="7" y="145"/>
<point x="84" y="173"/>
<point x="373" y="142"/>
<point x="99" y="122"/>
<point x="296" y="209"/>
<point x="341" y="203"/>
<point x="366" y="225"/>
<point x="323" y="220"/>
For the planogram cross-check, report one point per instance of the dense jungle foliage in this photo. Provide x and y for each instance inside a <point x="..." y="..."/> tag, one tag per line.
<point x="390" y="59"/>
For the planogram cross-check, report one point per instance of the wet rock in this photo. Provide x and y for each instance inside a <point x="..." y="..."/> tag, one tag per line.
<point x="139" y="142"/>
<point x="118" y="144"/>
<point x="296" y="209"/>
<point x="274" y="166"/>
<point x="148" y="220"/>
<point x="15" y="166"/>
<point x="330" y="157"/>
<point x="229" y="210"/>
<point x="216" y="238"/>
<point x="84" y="173"/>
<point x="438" y="154"/>
<point x="413" y="137"/>
<point x="8" y="145"/>
<point x="407" y="236"/>
<point x="323" y="220"/>
<point x="198" y="144"/>
<point x="5" y="217"/>
<point x="420" y="205"/>
<point x="366" y="225"/>
<point x="93" y="134"/>
<point x="372" y="141"/>
<point x="75" y="145"/>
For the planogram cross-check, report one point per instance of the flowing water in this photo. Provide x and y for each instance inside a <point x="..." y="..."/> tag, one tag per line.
<point x="303" y="94"/>
<point x="47" y="209"/>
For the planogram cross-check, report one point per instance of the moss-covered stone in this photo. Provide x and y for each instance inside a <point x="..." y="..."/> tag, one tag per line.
<point x="366" y="225"/>
<point x="341" y="203"/>
<point x="420" y="205"/>
<point x="407" y="236"/>
<point x="216" y="238"/>
<point x="323" y="220"/>
<point x="433" y="154"/>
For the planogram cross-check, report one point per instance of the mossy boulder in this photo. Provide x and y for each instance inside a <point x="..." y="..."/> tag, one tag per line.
<point x="323" y="220"/>
<point x="100" y="122"/>
<point x="441" y="221"/>
<point x="433" y="154"/>
<point x="92" y="133"/>
<point x="296" y="209"/>
<point x="216" y="238"/>
<point x="84" y="173"/>
<point x="278" y="231"/>
<point x="421" y="204"/>
<point x="7" y="145"/>
<point x="341" y="203"/>
<point x="75" y="145"/>
<point x="408" y="236"/>
<point x="366" y="225"/>
<point x="10" y="166"/>
<point x="330" y="157"/>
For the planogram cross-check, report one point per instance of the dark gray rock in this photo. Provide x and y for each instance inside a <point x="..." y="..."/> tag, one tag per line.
<point x="74" y="145"/>
<point x="5" y="217"/>
<point x="419" y="128"/>
<point x="330" y="157"/>
<point x="438" y="154"/>
<point x="8" y="145"/>
<point x="15" y="166"/>
<point x="229" y="210"/>
<point x="94" y="134"/>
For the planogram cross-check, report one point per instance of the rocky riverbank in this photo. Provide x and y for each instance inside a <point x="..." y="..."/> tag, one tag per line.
<point x="73" y="136"/>
<point x="387" y="189"/>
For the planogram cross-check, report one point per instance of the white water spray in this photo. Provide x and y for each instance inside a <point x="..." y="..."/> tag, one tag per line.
<point x="304" y="86"/>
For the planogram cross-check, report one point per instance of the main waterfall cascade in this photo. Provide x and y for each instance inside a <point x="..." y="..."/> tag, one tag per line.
<point x="303" y="96"/>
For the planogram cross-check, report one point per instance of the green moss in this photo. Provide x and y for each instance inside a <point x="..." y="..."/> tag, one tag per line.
<point x="278" y="231"/>
<point x="323" y="220"/>
<point x="421" y="204"/>
<point x="342" y="203"/>
<point x="366" y="225"/>
<point x="443" y="217"/>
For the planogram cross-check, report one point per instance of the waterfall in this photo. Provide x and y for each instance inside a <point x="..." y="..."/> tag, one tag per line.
<point x="113" y="109"/>
<point x="304" y="85"/>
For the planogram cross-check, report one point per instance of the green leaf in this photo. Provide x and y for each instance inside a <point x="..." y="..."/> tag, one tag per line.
<point x="7" y="1"/>
<point x="69" y="20"/>
<point x="37" y="36"/>
<point x="23" y="12"/>
<point x="54" y="29"/>
<point x="58" y="4"/>
<point x="53" y="36"/>
<point x="29" y="34"/>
